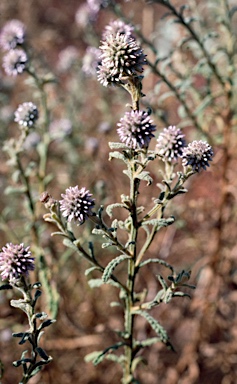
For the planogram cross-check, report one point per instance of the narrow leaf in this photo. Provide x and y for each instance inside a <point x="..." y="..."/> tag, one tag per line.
<point x="111" y="266"/>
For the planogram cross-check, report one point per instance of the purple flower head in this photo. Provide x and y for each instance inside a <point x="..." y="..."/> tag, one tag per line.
<point x="12" y="35"/>
<point x="76" y="204"/>
<point x="197" y="154"/>
<point x="26" y="114"/>
<point x="135" y="129"/>
<point x="67" y="58"/>
<point x="15" y="261"/>
<point x="60" y="128"/>
<point x="170" y="143"/>
<point x="118" y="26"/>
<point x="121" y="57"/>
<point x="91" y="61"/>
<point x="14" y="62"/>
<point x="96" y="5"/>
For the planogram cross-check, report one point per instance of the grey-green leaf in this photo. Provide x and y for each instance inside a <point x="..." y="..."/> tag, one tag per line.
<point x="111" y="266"/>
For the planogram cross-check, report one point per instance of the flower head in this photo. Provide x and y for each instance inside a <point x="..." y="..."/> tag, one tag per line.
<point x="12" y="35"/>
<point x="91" y="61"/>
<point x="26" y="114"/>
<point x="15" y="261"/>
<point x="121" y="57"/>
<point x="67" y="58"/>
<point x="14" y="62"/>
<point x="76" y="204"/>
<point x="118" y="26"/>
<point x="170" y="143"/>
<point x="197" y="154"/>
<point x="135" y="129"/>
<point x="60" y="128"/>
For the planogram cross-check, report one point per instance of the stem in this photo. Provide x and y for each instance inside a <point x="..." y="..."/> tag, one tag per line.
<point x="129" y="301"/>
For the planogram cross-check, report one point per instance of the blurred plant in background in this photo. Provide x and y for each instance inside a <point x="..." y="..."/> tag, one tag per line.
<point x="65" y="119"/>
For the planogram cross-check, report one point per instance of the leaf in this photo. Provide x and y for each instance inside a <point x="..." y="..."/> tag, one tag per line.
<point x="95" y="283"/>
<point x="110" y="208"/>
<point x="148" y="342"/>
<point x="68" y="243"/>
<point x="5" y="286"/>
<point x="111" y="266"/>
<point x="160" y="331"/>
<point x="41" y="315"/>
<point x="17" y="363"/>
<point x="98" y="357"/>
<point x="159" y="261"/>
<point x="118" y="155"/>
<point x="46" y="323"/>
<point x="10" y="190"/>
<point x="91" y="269"/>
<point x="159" y="223"/>
<point x="144" y="175"/>
<point x="97" y="231"/>
<point x="42" y="353"/>
<point x="113" y="145"/>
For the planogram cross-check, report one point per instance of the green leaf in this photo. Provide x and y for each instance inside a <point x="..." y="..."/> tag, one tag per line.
<point x="111" y="266"/>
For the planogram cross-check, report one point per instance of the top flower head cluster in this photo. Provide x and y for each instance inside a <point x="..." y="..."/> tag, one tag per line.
<point x="12" y="37"/>
<point x="121" y="56"/>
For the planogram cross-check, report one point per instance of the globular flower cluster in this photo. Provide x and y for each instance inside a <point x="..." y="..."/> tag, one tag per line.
<point x="197" y="154"/>
<point x="118" y="26"/>
<point x="60" y="128"/>
<point x="170" y="143"/>
<point x="26" y="114"/>
<point x="76" y="204"/>
<point x="67" y="58"/>
<point x="91" y="60"/>
<point x="121" y="58"/>
<point x="12" y="35"/>
<point x="15" y="261"/>
<point x="15" y="62"/>
<point x="135" y="129"/>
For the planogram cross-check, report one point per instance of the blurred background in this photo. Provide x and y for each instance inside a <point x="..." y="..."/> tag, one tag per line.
<point x="183" y="88"/>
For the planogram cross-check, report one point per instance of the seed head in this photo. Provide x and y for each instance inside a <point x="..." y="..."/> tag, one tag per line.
<point x="15" y="261"/>
<point x="197" y="154"/>
<point x="26" y="114"/>
<point x="76" y="204"/>
<point x="121" y="57"/>
<point x="170" y="143"/>
<point x="12" y="35"/>
<point x="135" y="129"/>
<point x="14" y="62"/>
